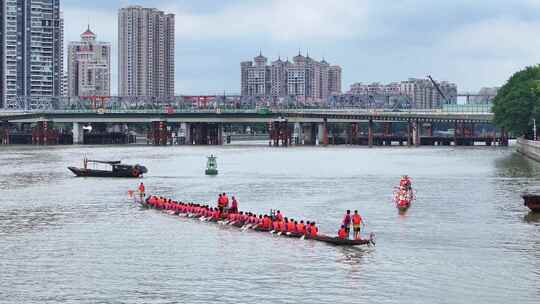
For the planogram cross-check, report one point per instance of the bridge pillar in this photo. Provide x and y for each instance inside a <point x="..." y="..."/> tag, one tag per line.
<point x="323" y="133"/>
<point x="387" y="132"/>
<point x="409" y="133"/>
<point x="160" y="134"/>
<point x="354" y="133"/>
<point x="457" y="133"/>
<point x="429" y="129"/>
<point x="416" y="133"/>
<point x="78" y="134"/>
<point x="272" y="133"/>
<point x="298" y="134"/>
<point x="285" y="133"/>
<point x="370" y="133"/>
<point x="4" y="133"/>
<point x="44" y="134"/>
<point x="221" y="136"/>
<point x="309" y="134"/>
<point x="185" y="133"/>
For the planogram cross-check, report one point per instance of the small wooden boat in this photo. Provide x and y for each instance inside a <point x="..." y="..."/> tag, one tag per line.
<point x="211" y="166"/>
<point x="532" y="201"/>
<point x="117" y="169"/>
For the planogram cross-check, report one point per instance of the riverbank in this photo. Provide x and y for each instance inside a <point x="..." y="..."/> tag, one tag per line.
<point x="529" y="148"/>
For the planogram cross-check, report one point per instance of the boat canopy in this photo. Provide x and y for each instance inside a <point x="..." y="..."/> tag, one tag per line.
<point x="113" y="162"/>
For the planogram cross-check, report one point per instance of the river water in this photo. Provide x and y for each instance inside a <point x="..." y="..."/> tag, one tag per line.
<point x="467" y="238"/>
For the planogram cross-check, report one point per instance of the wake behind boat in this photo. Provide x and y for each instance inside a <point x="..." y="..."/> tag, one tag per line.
<point x="117" y="169"/>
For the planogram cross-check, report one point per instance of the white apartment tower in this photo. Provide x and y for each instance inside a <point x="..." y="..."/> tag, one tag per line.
<point x="304" y="77"/>
<point x="145" y="52"/>
<point x="31" y="49"/>
<point x="89" y="66"/>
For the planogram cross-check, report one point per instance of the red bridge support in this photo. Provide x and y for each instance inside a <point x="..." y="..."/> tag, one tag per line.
<point x="370" y="133"/>
<point x="44" y="134"/>
<point x="159" y="135"/>
<point x="280" y="133"/>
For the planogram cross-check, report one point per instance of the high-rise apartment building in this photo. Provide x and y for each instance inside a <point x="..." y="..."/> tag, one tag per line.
<point x="2" y="54"/>
<point x="421" y="93"/>
<point x="334" y="80"/>
<point x="31" y="43"/>
<point x="424" y="95"/>
<point x="145" y="52"/>
<point x="89" y="63"/>
<point x="303" y="77"/>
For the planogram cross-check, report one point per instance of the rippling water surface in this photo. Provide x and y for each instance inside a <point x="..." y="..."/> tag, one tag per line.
<point x="467" y="239"/>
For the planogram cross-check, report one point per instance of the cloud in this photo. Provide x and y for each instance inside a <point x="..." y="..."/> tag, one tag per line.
<point x="490" y="50"/>
<point x="278" y="20"/>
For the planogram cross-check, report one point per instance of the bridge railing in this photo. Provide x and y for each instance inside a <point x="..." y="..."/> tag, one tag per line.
<point x="252" y="111"/>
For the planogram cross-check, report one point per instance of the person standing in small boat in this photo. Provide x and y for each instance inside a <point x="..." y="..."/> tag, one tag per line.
<point x="234" y="205"/>
<point x="357" y="222"/>
<point x="225" y="201"/>
<point x="279" y="216"/>
<point x="220" y="202"/>
<point x="141" y="191"/>
<point x="347" y="222"/>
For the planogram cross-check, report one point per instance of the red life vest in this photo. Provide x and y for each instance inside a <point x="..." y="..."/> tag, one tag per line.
<point x="313" y="230"/>
<point x="342" y="234"/>
<point x="291" y="227"/>
<point x="301" y="228"/>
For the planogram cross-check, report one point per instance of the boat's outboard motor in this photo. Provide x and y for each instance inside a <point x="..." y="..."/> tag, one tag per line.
<point x="141" y="169"/>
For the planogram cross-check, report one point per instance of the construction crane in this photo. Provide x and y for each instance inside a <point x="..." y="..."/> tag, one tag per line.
<point x="438" y="89"/>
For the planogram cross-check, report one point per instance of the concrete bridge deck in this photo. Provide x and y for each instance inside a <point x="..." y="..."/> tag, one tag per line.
<point x="243" y="116"/>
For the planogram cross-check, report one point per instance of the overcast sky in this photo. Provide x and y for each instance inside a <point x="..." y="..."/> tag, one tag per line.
<point x="474" y="43"/>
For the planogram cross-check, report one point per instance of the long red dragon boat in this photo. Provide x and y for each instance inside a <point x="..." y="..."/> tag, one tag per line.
<point x="255" y="227"/>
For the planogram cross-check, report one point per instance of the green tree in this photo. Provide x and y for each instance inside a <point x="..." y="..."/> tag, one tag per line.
<point x="518" y="102"/>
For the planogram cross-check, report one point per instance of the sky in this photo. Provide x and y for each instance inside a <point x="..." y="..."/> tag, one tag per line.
<point x="474" y="43"/>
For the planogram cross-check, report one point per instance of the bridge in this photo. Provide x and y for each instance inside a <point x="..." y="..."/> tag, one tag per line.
<point x="284" y="127"/>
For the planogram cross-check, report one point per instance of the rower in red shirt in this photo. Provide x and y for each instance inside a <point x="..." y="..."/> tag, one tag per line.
<point x="313" y="231"/>
<point x="291" y="227"/>
<point x="234" y="205"/>
<point x="342" y="233"/>
<point x="301" y="228"/>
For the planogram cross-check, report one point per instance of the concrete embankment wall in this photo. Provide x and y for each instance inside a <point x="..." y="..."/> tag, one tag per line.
<point x="529" y="148"/>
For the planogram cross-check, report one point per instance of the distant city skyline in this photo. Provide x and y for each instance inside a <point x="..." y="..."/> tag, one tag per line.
<point x="383" y="41"/>
<point x="374" y="41"/>
<point x="303" y="77"/>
